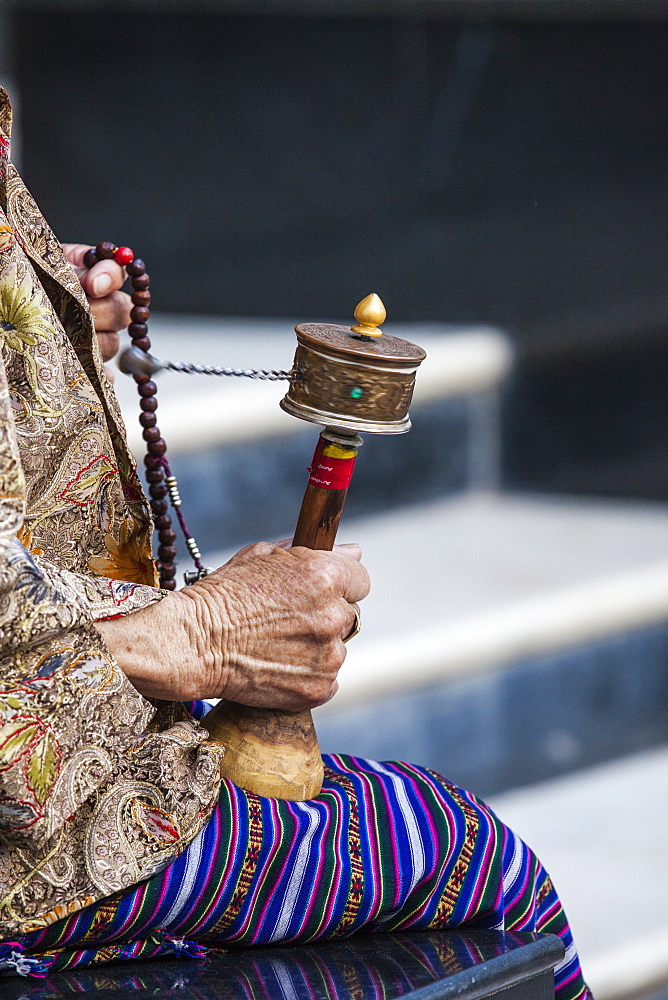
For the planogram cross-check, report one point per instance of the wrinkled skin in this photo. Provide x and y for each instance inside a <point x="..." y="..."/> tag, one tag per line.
<point x="265" y="629"/>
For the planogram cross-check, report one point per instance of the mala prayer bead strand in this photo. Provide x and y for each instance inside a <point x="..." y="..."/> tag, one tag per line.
<point x="161" y="483"/>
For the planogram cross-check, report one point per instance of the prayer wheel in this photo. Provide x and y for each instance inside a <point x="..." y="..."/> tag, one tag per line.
<point x="353" y="380"/>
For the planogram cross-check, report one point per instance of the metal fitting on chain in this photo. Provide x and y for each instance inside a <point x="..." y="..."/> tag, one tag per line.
<point x="173" y="490"/>
<point x="193" y="575"/>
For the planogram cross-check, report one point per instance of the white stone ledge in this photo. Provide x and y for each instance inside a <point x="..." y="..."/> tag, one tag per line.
<point x="631" y="968"/>
<point x="197" y="412"/>
<point x="601" y="835"/>
<point x="469" y="584"/>
<point x="513" y="631"/>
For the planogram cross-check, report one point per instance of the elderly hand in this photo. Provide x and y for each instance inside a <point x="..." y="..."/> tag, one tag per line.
<point x="266" y="629"/>
<point x="109" y="305"/>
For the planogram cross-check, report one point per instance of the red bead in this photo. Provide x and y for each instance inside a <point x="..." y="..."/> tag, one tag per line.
<point x="167" y="573"/>
<point x="152" y="462"/>
<point x="147" y="419"/>
<point x="167" y="552"/>
<point x="124" y="255"/>
<point x="155" y="475"/>
<point x="147" y="389"/>
<point x="141" y="282"/>
<point x="158" y="490"/>
<point x="141" y="298"/>
<point x="137" y="330"/>
<point x="159" y="507"/>
<point x="141" y="380"/>
<point x="90" y="258"/>
<point x="167" y="584"/>
<point x="136" y="268"/>
<point x="105" y="250"/>
<point x="151" y="434"/>
<point x="149" y="405"/>
<point x="167" y="537"/>
<point x="143" y="343"/>
<point x="140" y="314"/>
<point x="162" y="522"/>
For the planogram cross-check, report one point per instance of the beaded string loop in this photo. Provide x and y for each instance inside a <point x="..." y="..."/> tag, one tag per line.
<point x="162" y="483"/>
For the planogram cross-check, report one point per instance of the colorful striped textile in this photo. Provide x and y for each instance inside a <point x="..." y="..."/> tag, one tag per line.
<point x="384" y="847"/>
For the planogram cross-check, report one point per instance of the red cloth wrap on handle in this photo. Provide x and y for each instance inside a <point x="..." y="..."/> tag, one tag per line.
<point x="331" y="473"/>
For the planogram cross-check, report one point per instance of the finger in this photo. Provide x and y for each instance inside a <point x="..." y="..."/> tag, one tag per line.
<point x="110" y="373"/>
<point x="345" y="548"/>
<point x="332" y="691"/>
<point x="354" y="578"/>
<point x="102" y="279"/>
<point x="108" y="342"/>
<point x="111" y="312"/>
<point x="75" y="252"/>
<point x="349" y="549"/>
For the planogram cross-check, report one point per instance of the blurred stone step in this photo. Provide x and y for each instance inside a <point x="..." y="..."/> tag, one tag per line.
<point x="601" y="836"/>
<point x="507" y="639"/>
<point x="241" y="461"/>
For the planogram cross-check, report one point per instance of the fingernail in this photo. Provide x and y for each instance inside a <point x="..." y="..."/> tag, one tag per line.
<point x="101" y="284"/>
<point x="348" y="545"/>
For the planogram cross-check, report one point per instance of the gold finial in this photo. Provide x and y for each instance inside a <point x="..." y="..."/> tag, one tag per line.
<point x="369" y="313"/>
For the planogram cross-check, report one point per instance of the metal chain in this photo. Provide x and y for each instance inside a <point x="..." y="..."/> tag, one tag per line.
<point x="272" y="375"/>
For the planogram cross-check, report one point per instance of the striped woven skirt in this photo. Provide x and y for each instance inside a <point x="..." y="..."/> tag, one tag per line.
<point x="384" y="847"/>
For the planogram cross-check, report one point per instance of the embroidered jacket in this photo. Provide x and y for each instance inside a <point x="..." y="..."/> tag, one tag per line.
<point x="99" y="788"/>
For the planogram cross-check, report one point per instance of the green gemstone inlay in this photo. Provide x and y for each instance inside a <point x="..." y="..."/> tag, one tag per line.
<point x="356" y="392"/>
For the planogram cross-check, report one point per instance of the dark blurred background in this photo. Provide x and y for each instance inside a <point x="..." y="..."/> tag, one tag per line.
<point x="506" y="169"/>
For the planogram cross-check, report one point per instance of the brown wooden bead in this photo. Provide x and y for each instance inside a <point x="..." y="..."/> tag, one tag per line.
<point x="136" y="268"/>
<point x="90" y="258"/>
<point x="148" y="389"/>
<point x="151" y="435"/>
<point x="159" y="507"/>
<point x="141" y="298"/>
<point x="166" y="553"/>
<point x="143" y="343"/>
<point x="158" y="490"/>
<point x="140" y="314"/>
<point x="162" y="522"/>
<point x="105" y="250"/>
<point x="157" y="448"/>
<point x="137" y="330"/>
<point x="140" y="282"/>
<point x="167" y="536"/>
<point x="167" y="584"/>
<point x="141" y="379"/>
<point x="167" y="573"/>
<point x="149" y="404"/>
<point x="148" y="419"/>
<point x="152" y="462"/>
<point x="155" y="475"/>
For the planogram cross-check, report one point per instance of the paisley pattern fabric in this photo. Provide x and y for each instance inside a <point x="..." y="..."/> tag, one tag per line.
<point x="99" y="788"/>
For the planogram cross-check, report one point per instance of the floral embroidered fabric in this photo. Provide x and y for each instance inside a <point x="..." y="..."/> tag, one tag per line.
<point x="99" y="788"/>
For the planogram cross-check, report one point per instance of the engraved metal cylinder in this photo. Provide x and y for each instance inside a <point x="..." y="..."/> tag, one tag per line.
<point x="342" y="379"/>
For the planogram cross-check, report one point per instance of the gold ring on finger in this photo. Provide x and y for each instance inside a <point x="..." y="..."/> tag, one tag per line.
<point x="357" y="624"/>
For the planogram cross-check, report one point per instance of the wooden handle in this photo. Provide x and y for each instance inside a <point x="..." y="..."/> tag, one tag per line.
<point x="270" y="751"/>
<point x="319" y="518"/>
